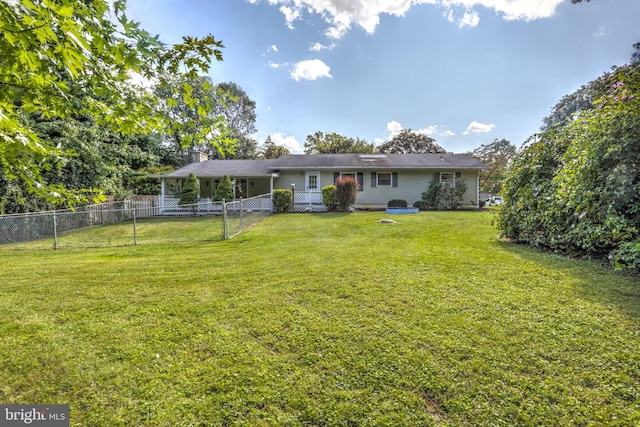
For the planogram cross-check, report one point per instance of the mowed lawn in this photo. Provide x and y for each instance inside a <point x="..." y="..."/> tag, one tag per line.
<point x="323" y="319"/>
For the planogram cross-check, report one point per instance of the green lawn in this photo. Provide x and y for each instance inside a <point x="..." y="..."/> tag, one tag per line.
<point x="328" y="319"/>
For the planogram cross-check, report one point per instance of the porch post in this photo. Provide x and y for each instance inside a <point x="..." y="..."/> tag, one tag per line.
<point x="162" y="193"/>
<point x="478" y="191"/>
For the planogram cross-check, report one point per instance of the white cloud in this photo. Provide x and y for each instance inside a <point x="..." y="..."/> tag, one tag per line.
<point x="317" y="47"/>
<point x="341" y="15"/>
<point x="447" y="133"/>
<point x="393" y="128"/>
<point x="290" y="15"/>
<point x="310" y="70"/>
<point x="477" y="127"/>
<point x="469" y="19"/>
<point x="288" y="142"/>
<point x="428" y="131"/>
<point x="272" y="48"/>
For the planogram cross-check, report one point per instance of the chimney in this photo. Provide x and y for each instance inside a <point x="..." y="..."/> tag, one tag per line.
<point x="199" y="156"/>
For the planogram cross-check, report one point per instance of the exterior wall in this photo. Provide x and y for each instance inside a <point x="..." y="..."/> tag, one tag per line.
<point x="411" y="185"/>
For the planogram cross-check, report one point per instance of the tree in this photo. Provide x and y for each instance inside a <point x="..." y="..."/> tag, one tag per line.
<point x="224" y="191"/>
<point x="67" y="58"/>
<point x="441" y="196"/>
<point x="574" y="188"/>
<point x="497" y="156"/>
<point x="190" y="192"/>
<point x="333" y="143"/>
<point x="272" y="151"/>
<point x="239" y="112"/>
<point x="410" y="142"/>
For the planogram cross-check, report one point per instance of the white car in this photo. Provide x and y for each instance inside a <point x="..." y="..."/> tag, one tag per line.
<point x="493" y="201"/>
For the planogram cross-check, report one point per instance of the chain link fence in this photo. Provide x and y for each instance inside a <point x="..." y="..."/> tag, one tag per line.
<point x="131" y="223"/>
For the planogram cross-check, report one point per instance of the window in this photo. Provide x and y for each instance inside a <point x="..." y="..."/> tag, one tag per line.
<point x="449" y="178"/>
<point x="359" y="177"/>
<point x="384" y="179"/>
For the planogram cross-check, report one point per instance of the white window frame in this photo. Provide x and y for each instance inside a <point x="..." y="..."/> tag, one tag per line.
<point x="451" y="180"/>
<point x="378" y="184"/>
<point x="309" y="174"/>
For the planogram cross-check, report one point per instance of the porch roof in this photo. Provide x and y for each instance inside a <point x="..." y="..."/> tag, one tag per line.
<point x="377" y="161"/>
<point x="217" y="168"/>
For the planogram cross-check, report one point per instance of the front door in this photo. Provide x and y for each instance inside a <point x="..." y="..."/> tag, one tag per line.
<point x="312" y="182"/>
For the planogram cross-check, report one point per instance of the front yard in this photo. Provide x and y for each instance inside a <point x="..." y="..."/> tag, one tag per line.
<point x="323" y="319"/>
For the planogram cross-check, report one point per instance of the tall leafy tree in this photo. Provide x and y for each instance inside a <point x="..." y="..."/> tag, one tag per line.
<point x="574" y="188"/>
<point x="497" y="156"/>
<point x="334" y="143"/>
<point x="270" y="150"/>
<point x="69" y="58"/>
<point x="410" y="142"/>
<point x="239" y="112"/>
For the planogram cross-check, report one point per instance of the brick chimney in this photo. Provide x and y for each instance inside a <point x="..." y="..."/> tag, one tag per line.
<point x="199" y="156"/>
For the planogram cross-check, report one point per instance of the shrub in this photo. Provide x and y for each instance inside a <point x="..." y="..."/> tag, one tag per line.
<point x="282" y="201"/>
<point x="574" y="189"/>
<point x="444" y="196"/>
<point x="190" y="191"/>
<point x="224" y="191"/>
<point x="329" y="197"/>
<point x="421" y="205"/>
<point x="397" y="203"/>
<point x="346" y="192"/>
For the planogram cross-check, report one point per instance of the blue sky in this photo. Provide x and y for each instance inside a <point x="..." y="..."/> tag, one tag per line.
<point x="464" y="72"/>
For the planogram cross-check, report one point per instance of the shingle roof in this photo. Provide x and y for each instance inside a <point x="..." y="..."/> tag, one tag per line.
<point x="248" y="168"/>
<point x="215" y="168"/>
<point x="377" y="161"/>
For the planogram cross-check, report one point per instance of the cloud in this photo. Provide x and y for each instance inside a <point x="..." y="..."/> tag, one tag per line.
<point x="469" y="19"/>
<point x="310" y="70"/>
<point x="341" y="15"/>
<point x="447" y="133"/>
<point x="272" y="48"/>
<point x="477" y="127"/>
<point x="289" y="142"/>
<point x="393" y="128"/>
<point x="317" y="47"/>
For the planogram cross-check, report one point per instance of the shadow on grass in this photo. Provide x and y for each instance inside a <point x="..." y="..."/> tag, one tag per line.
<point x="595" y="280"/>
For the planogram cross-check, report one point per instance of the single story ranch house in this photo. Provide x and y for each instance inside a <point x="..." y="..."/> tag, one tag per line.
<point x="380" y="177"/>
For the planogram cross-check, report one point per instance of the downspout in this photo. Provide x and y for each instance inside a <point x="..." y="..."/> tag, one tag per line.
<point x="478" y="190"/>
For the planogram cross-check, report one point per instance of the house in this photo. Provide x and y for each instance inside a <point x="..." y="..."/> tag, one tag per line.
<point x="380" y="177"/>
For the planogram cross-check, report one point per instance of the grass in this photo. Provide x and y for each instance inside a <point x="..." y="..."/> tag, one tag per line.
<point x="328" y="319"/>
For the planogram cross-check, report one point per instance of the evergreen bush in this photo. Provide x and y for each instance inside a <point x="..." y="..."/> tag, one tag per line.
<point x="190" y="192"/>
<point x="397" y="203"/>
<point x="329" y="197"/>
<point x="282" y="200"/>
<point x="224" y="191"/>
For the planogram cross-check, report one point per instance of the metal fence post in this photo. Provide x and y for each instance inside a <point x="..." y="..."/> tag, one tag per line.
<point x="135" y="237"/>
<point x="225" y="233"/>
<point x="55" y="232"/>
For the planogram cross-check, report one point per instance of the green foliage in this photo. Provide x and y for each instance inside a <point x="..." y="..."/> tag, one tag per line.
<point x="270" y="150"/>
<point x="410" y="142"/>
<point x="497" y="155"/>
<point x="346" y="192"/>
<point x="224" y="191"/>
<point x="282" y="200"/>
<point x="421" y="205"/>
<point x="444" y="196"/>
<point x="329" y="197"/>
<point x="575" y="189"/>
<point x="53" y="65"/>
<point x="190" y="191"/>
<point x="397" y="203"/>
<point x="333" y="143"/>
